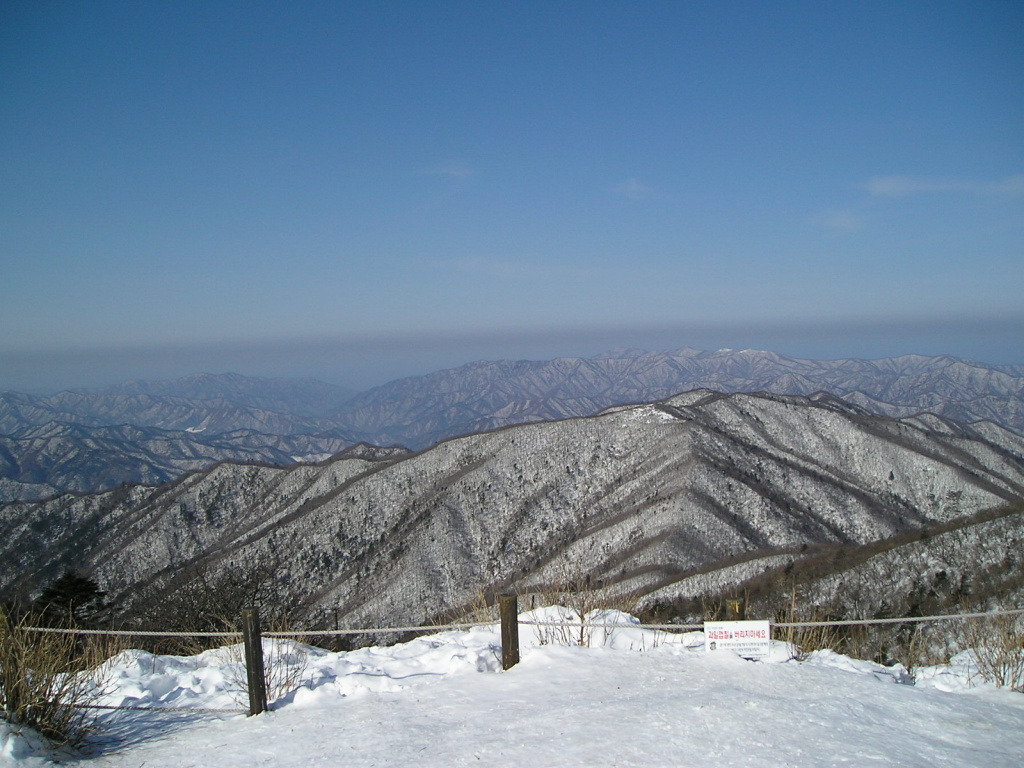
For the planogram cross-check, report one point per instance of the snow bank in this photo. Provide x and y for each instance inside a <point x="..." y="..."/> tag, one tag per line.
<point x="634" y="697"/>
<point x="23" y="747"/>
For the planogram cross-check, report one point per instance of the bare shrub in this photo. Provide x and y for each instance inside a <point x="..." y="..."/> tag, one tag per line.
<point x="712" y="608"/>
<point x="48" y="680"/>
<point x="851" y="640"/>
<point x="582" y="602"/>
<point x="206" y="599"/>
<point x="926" y="647"/>
<point x="479" y="611"/>
<point x="997" y="647"/>
<point x="805" y="640"/>
<point x="285" y="663"/>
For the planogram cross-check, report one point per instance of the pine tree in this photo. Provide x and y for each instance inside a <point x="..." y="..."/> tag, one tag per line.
<point x="71" y="598"/>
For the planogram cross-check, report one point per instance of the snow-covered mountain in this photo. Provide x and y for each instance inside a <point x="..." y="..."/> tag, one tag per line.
<point x="419" y="411"/>
<point x="215" y="416"/>
<point x="44" y="460"/>
<point x="151" y="432"/>
<point x="202" y="403"/>
<point x="669" y="500"/>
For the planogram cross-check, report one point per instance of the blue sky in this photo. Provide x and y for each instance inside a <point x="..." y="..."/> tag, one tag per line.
<point x="359" y="191"/>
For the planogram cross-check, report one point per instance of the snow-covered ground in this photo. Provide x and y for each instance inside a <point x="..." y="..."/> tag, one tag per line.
<point x="634" y="698"/>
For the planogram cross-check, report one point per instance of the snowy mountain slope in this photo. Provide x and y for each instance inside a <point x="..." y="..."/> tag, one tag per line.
<point x="210" y="404"/>
<point x="636" y="697"/>
<point x="639" y="497"/>
<point x="970" y="563"/>
<point x="151" y="432"/>
<point x="420" y="410"/>
<point x="55" y="457"/>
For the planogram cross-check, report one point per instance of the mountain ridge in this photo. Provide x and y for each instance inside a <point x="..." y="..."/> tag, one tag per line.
<point x="419" y="411"/>
<point x="504" y="392"/>
<point x="664" y="500"/>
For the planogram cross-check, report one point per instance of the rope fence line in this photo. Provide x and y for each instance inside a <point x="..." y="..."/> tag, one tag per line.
<point x="590" y="625"/>
<point x="446" y="627"/>
<point x="128" y="632"/>
<point x="372" y="630"/>
<point x="238" y="635"/>
<point x="509" y="628"/>
<point x="199" y="710"/>
<point x="905" y="620"/>
<point x="783" y="624"/>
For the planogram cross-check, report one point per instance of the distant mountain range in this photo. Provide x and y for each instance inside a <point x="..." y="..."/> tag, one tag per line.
<point x="419" y="411"/>
<point x="153" y="431"/>
<point x="688" y="496"/>
<point x="41" y="461"/>
<point x="210" y="404"/>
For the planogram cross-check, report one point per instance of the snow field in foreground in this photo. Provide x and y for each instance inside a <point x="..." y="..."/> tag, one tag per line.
<point x="637" y="698"/>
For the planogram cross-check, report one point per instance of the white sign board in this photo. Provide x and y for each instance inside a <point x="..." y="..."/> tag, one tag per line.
<point x="749" y="639"/>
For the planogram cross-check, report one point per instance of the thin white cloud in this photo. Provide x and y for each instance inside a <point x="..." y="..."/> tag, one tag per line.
<point x="905" y="186"/>
<point x="634" y="189"/>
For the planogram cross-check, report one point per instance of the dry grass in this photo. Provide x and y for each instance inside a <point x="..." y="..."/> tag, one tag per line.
<point x="479" y="611"/>
<point x="48" y="680"/>
<point x="805" y="640"/>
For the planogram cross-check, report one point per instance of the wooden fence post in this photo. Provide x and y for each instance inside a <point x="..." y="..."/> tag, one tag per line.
<point x="254" y="673"/>
<point x="509" y="608"/>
